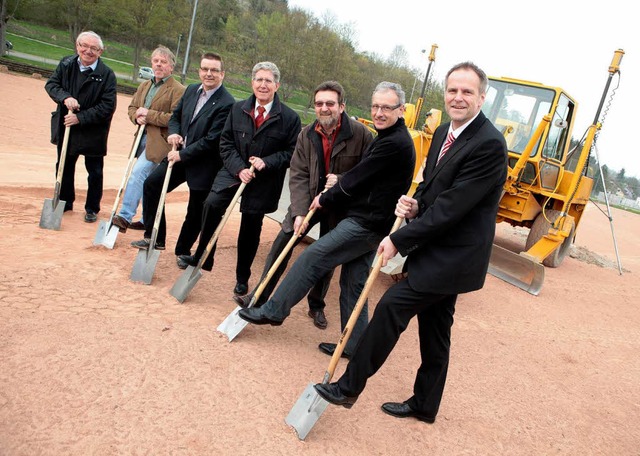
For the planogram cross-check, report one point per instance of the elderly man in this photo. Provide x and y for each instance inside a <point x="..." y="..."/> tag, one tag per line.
<point x="151" y="105"/>
<point x="194" y="128"/>
<point x="326" y="149"/>
<point x="367" y="193"/>
<point x="261" y="131"/>
<point x="85" y="90"/>
<point x="447" y="243"/>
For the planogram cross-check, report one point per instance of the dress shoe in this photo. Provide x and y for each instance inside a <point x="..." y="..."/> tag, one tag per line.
<point x="186" y="261"/>
<point x="121" y="223"/>
<point x="241" y="289"/>
<point x="68" y="207"/>
<point x="253" y="315"/>
<point x="318" y="318"/>
<point x="332" y="393"/>
<point x="137" y="225"/>
<point x="90" y="217"/>
<point x="143" y="244"/>
<point x="328" y="349"/>
<point x="402" y="410"/>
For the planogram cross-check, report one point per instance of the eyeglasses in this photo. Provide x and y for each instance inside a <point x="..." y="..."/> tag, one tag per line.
<point x="330" y="104"/>
<point x="92" y="48"/>
<point x="210" y="70"/>
<point x="259" y="81"/>
<point x="384" y="108"/>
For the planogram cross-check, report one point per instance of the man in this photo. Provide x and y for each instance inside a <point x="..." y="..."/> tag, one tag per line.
<point x="326" y="149"/>
<point x="261" y="131"/>
<point x="85" y="90"/>
<point x="368" y="193"/>
<point x="151" y="105"/>
<point x="447" y="243"/>
<point x="194" y="129"/>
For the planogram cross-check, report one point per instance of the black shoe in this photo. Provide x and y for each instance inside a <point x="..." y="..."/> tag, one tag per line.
<point x="241" y="289"/>
<point x="186" y="260"/>
<point x="318" y="318"/>
<point x="244" y="301"/>
<point x="68" y="207"/>
<point x="121" y="223"/>
<point x="137" y="225"/>
<point x="143" y="244"/>
<point x="402" y="410"/>
<point x="90" y="217"/>
<point x="328" y="349"/>
<point x="332" y="393"/>
<point x="253" y="315"/>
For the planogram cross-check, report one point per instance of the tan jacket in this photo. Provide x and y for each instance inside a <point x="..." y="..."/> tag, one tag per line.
<point x="162" y="105"/>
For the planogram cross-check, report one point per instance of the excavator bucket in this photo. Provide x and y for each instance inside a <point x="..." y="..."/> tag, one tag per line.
<point x="516" y="269"/>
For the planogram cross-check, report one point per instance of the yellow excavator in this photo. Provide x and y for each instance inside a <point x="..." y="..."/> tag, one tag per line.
<point x="547" y="186"/>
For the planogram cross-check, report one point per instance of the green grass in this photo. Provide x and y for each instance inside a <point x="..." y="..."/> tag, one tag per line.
<point x="49" y="43"/>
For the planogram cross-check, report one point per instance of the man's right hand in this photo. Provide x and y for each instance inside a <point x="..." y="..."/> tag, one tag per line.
<point x="298" y="226"/>
<point x="407" y="207"/>
<point x="246" y="175"/>
<point x="71" y="104"/>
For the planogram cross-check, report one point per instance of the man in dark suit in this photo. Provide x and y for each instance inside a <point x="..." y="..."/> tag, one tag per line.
<point x="194" y="127"/>
<point x="447" y="243"/>
<point x="262" y="131"/>
<point x="85" y="90"/>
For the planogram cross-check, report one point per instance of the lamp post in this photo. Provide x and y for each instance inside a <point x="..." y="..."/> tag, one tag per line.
<point x="186" y="55"/>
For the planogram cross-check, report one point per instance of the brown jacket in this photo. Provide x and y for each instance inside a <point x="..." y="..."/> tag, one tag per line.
<point x="162" y="105"/>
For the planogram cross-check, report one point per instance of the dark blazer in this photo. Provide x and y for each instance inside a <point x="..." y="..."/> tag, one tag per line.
<point x="97" y="98"/>
<point x="201" y="155"/>
<point x="449" y="243"/>
<point x="274" y="142"/>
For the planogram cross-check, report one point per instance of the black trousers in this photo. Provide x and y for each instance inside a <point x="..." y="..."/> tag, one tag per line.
<point x="396" y="308"/>
<point x="151" y="199"/>
<point x="94" y="167"/>
<point x="319" y="291"/>
<point x="215" y="206"/>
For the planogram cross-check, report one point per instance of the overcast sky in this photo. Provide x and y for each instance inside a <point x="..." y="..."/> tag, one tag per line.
<point x="567" y="44"/>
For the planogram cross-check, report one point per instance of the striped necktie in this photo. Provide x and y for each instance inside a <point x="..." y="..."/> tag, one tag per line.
<point x="447" y="145"/>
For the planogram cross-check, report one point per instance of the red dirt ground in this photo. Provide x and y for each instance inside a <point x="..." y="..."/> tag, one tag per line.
<point x="92" y="363"/>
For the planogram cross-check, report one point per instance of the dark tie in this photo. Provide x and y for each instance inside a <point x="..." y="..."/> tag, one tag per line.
<point x="447" y="145"/>
<point x="260" y="116"/>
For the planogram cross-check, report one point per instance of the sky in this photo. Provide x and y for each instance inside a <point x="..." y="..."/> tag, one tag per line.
<point x="567" y="44"/>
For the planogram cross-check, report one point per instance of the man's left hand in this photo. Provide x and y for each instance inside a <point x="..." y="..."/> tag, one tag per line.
<point x="71" y="119"/>
<point x="257" y="163"/>
<point x="174" y="156"/>
<point x="386" y="250"/>
<point x="315" y="204"/>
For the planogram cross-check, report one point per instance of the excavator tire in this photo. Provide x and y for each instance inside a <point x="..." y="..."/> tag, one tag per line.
<point x="541" y="227"/>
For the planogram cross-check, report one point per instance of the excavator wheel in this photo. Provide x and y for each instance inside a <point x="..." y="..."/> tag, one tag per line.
<point x="541" y="227"/>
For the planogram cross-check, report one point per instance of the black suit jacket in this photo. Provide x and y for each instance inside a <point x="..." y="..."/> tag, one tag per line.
<point x="201" y="155"/>
<point x="449" y="243"/>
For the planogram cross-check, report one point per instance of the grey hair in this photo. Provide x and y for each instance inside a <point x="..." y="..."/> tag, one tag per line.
<point x="93" y="35"/>
<point x="268" y="66"/>
<point x="166" y="52"/>
<point x="397" y="88"/>
<point x="484" y="81"/>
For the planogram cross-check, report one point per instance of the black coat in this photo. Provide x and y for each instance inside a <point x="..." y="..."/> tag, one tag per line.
<point x="97" y="99"/>
<point x="273" y="142"/>
<point x="201" y="156"/>
<point x="449" y="243"/>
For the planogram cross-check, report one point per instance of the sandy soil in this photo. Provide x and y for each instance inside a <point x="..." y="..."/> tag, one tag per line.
<point x="92" y="363"/>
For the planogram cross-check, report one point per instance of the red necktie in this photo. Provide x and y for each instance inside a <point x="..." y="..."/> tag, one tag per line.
<point x="447" y="145"/>
<point x="260" y="116"/>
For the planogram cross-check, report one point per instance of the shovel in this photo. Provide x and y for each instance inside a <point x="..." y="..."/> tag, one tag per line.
<point x="107" y="231"/>
<point x="233" y="324"/>
<point x="53" y="208"/>
<point x="145" y="264"/>
<point x="191" y="275"/>
<point x="310" y="405"/>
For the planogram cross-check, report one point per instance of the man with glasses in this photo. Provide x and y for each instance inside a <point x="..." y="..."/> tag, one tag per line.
<point x="194" y="131"/>
<point x="85" y="90"/>
<point x="367" y="193"/>
<point x="151" y="105"/>
<point x="260" y="131"/>
<point x="447" y="243"/>
<point x="326" y="149"/>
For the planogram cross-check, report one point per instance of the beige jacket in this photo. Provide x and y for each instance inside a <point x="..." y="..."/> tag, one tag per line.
<point x="158" y="116"/>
